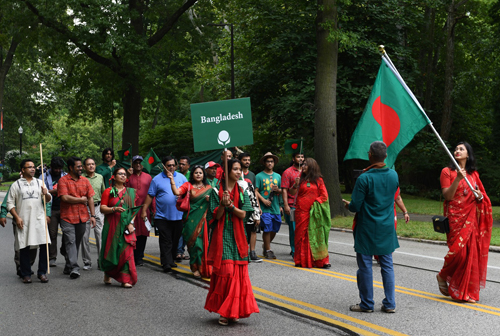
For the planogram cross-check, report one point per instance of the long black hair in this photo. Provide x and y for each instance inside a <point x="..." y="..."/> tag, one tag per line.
<point x="470" y="164"/>
<point x="191" y="177"/>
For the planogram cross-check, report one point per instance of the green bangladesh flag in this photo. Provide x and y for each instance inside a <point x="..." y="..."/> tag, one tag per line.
<point x="150" y="161"/>
<point x="125" y="154"/>
<point x="293" y="146"/>
<point x="390" y="115"/>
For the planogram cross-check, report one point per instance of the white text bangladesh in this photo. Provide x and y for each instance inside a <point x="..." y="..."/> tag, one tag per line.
<point x="221" y="117"/>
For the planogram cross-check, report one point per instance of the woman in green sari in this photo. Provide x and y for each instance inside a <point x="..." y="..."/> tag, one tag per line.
<point x="118" y="234"/>
<point x="195" y="232"/>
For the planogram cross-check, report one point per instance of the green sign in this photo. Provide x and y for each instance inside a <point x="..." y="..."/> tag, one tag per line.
<point x="222" y="124"/>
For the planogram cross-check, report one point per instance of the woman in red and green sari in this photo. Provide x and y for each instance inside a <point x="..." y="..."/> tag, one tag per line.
<point x="230" y="294"/>
<point x="118" y="237"/>
<point x="312" y="218"/>
<point x="471" y="220"/>
<point x="195" y="231"/>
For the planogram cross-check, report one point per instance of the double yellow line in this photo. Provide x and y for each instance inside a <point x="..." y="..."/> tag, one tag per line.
<point x="297" y="306"/>
<point x="399" y="289"/>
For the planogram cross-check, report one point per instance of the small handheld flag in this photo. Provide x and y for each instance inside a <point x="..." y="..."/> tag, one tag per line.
<point x="150" y="161"/>
<point x="293" y="146"/>
<point x="125" y="154"/>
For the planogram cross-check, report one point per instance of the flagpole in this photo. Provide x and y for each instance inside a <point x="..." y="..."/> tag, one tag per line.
<point x="300" y="150"/>
<point x="391" y="65"/>
<point x="45" y="209"/>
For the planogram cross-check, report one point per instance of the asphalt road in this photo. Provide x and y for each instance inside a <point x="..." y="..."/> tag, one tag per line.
<point x="292" y="301"/>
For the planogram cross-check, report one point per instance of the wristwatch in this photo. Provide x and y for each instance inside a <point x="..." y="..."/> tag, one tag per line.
<point x="93" y="216"/>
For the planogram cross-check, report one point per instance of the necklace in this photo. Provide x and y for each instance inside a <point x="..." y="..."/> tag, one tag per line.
<point x="199" y="186"/>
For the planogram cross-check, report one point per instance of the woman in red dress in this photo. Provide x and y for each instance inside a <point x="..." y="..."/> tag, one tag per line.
<point x="470" y="218"/>
<point x="118" y="234"/>
<point x="311" y="233"/>
<point x="230" y="294"/>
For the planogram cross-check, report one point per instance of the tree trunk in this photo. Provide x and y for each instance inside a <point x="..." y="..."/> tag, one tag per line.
<point x="448" y="73"/>
<point x="5" y="65"/>
<point x="132" y="104"/>
<point x="325" y="123"/>
<point x="451" y="22"/>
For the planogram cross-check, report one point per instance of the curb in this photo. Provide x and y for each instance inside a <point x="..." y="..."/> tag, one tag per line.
<point x="426" y="241"/>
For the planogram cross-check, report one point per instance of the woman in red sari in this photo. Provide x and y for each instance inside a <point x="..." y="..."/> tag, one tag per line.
<point x="118" y="236"/>
<point x="195" y="231"/>
<point x="311" y="232"/>
<point x="470" y="218"/>
<point x="230" y="294"/>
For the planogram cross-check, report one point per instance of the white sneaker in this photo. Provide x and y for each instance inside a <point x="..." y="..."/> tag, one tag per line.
<point x="87" y="267"/>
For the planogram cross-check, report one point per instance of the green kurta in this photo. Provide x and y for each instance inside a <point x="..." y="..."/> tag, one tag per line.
<point x="373" y="201"/>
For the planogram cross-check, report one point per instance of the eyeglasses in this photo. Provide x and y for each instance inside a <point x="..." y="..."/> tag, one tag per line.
<point x="170" y="165"/>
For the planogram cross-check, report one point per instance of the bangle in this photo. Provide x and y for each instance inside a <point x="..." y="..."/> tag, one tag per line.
<point x="132" y="222"/>
<point x="113" y="209"/>
<point x="405" y="213"/>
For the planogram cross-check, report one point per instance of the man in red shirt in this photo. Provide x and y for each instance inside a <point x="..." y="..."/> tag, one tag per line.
<point x="74" y="191"/>
<point x="140" y="181"/>
<point x="287" y="181"/>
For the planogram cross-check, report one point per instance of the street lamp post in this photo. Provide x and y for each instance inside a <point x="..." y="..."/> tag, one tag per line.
<point x="232" y="52"/>
<point x="20" y="130"/>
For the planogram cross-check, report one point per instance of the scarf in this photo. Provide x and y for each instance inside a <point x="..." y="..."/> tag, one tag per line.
<point x="216" y="248"/>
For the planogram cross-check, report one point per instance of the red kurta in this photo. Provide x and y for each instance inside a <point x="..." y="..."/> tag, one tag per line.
<point x="307" y="195"/>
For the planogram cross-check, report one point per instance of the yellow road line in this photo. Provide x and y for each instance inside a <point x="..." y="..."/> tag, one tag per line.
<point x="329" y="312"/>
<point x="315" y="315"/>
<point x="181" y="268"/>
<point x="399" y="289"/>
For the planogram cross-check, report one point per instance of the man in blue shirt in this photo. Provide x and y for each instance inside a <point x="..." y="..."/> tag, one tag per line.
<point x="168" y="219"/>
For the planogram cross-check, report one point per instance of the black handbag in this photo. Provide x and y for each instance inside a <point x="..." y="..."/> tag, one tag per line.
<point x="441" y="224"/>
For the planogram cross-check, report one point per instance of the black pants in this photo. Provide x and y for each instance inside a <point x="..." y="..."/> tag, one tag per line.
<point x="55" y="219"/>
<point x="170" y="233"/>
<point x="140" y="246"/>
<point x="25" y="262"/>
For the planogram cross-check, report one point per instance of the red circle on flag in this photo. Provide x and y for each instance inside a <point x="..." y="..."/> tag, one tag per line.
<point x="126" y="153"/>
<point x="151" y="160"/>
<point x="294" y="146"/>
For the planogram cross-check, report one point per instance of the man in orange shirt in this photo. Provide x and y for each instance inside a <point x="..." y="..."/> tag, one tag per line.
<point x="75" y="192"/>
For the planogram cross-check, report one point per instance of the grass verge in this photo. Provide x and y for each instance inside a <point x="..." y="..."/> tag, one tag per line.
<point x="414" y="229"/>
<point x="5" y="186"/>
<point x="425" y="206"/>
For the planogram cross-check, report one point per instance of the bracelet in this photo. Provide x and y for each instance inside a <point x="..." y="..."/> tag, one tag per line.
<point x="405" y="213"/>
<point x="113" y="209"/>
<point x="132" y="222"/>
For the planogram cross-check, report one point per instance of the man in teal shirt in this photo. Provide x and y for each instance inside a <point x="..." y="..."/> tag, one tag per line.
<point x="107" y="166"/>
<point x="97" y="182"/>
<point x="374" y="231"/>
<point x="267" y="188"/>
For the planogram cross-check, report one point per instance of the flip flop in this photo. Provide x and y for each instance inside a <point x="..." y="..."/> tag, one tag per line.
<point x="443" y="286"/>
<point x="185" y="257"/>
<point x="223" y="321"/>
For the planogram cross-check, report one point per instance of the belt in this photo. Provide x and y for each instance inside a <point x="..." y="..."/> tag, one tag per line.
<point x="97" y="203"/>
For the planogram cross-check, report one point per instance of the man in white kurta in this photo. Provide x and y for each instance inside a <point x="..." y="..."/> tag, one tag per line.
<point x="25" y="203"/>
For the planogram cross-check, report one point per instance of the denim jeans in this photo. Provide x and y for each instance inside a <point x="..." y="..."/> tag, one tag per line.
<point x="365" y="281"/>
<point x="182" y="246"/>
<point x="291" y="231"/>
